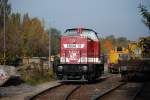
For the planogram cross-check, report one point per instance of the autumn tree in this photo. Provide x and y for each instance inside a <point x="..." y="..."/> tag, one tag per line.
<point x="111" y="42"/>
<point x="25" y="37"/>
<point x="25" y="28"/>
<point x="108" y="45"/>
<point x="111" y="38"/>
<point x="35" y="38"/>
<point x="14" y="40"/>
<point x="145" y="12"/>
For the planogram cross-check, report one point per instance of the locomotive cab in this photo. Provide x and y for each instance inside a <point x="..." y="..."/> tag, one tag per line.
<point x="79" y="55"/>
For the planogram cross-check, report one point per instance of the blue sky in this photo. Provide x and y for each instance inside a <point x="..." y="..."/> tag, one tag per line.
<point x="117" y="17"/>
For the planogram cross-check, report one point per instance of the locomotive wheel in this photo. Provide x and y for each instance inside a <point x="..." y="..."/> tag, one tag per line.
<point x="89" y="78"/>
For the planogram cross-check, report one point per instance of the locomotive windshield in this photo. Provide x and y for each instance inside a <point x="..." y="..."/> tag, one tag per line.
<point x="71" y="33"/>
<point x="84" y="33"/>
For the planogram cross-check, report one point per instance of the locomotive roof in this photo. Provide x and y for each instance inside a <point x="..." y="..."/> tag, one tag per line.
<point x="92" y="35"/>
<point x="86" y="29"/>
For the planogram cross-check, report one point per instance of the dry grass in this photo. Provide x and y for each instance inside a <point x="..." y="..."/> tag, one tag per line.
<point x="35" y="74"/>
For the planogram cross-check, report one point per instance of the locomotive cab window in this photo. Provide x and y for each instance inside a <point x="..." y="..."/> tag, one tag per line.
<point x="83" y="32"/>
<point x="90" y="35"/>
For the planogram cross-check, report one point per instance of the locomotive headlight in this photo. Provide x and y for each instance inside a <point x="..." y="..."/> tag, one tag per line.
<point x="85" y="68"/>
<point x="60" y="68"/>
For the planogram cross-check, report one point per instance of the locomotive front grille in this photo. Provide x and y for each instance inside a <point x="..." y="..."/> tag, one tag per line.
<point x="72" y="68"/>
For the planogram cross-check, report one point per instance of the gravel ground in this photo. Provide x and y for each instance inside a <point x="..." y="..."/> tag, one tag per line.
<point x="15" y="90"/>
<point x="23" y="91"/>
<point x="145" y="93"/>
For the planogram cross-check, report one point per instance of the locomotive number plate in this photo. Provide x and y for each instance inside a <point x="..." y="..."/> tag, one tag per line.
<point x="73" y="45"/>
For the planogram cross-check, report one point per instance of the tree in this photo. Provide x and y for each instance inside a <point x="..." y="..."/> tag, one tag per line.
<point x="108" y="45"/>
<point x="55" y="40"/>
<point x="146" y="15"/>
<point x="112" y="39"/>
<point x="25" y="32"/>
<point x="111" y="42"/>
<point x="4" y="8"/>
<point x="35" y="38"/>
<point x="14" y="40"/>
<point x="39" y="35"/>
<point x="26" y="37"/>
<point x="122" y="42"/>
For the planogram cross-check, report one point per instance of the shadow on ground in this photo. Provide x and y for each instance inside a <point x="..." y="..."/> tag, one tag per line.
<point x="81" y="82"/>
<point x="13" y="81"/>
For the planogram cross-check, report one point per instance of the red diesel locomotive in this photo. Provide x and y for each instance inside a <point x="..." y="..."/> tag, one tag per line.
<point x="80" y="56"/>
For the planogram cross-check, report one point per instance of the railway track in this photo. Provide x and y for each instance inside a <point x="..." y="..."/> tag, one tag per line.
<point x="144" y="94"/>
<point x="79" y="91"/>
<point x="60" y="92"/>
<point x="109" y="89"/>
<point x="124" y="91"/>
<point x="97" y="97"/>
<point x="71" y="92"/>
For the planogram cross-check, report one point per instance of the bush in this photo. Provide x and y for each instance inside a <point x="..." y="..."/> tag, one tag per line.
<point x="36" y="74"/>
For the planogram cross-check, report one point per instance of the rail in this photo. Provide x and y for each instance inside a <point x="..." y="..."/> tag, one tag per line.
<point x="138" y="92"/>
<point x="71" y="92"/>
<point x="105" y="93"/>
<point x="32" y="97"/>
